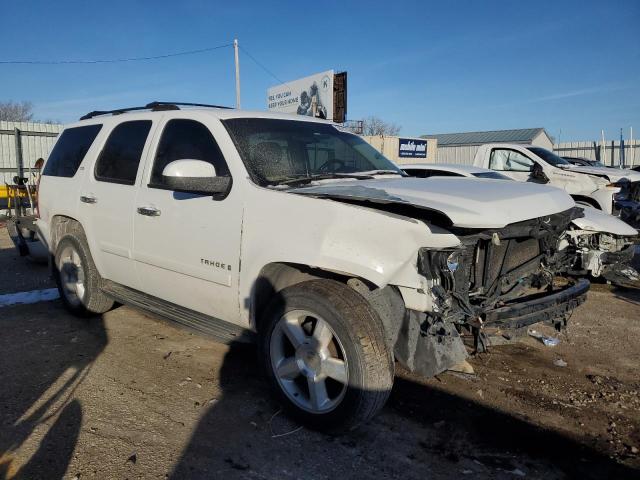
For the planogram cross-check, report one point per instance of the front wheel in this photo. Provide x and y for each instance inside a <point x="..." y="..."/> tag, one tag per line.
<point x="325" y="355"/>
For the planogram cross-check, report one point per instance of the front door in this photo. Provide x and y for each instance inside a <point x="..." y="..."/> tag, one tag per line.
<point x="187" y="245"/>
<point x="108" y="198"/>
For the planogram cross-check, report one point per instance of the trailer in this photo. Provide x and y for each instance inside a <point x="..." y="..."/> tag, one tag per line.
<point x="22" y="198"/>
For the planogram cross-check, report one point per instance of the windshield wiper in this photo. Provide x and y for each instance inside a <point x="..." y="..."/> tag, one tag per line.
<point x="324" y="176"/>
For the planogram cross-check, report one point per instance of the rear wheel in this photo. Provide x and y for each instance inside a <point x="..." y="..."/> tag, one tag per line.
<point x="325" y="355"/>
<point x="78" y="279"/>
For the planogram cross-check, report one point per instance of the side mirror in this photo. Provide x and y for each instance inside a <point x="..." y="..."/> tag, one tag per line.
<point x="538" y="175"/>
<point x="194" y="176"/>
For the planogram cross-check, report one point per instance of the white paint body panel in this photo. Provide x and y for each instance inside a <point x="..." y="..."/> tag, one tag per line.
<point x="467" y="202"/>
<point x="189" y="168"/>
<point x="613" y="174"/>
<point x="598" y="221"/>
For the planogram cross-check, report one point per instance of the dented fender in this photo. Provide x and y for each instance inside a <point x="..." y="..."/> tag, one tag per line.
<point x="379" y="247"/>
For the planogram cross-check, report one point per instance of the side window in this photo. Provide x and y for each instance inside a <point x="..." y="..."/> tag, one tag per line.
<point x="120" y="157"/>
<point x="69" y="151"/>
<point x="506" y="160"/>
<point x="186" y="139"/>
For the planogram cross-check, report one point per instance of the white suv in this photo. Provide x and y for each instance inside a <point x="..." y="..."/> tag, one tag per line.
<point x="290" y="232"/>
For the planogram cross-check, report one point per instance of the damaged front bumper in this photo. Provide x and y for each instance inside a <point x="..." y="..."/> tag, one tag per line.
<point x="428" y="345"/>
<point x="549" y="308"/>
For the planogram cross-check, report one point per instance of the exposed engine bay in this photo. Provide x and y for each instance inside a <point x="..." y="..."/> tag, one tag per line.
<point x="603" y="255"/>
<point x="501" y="269"/>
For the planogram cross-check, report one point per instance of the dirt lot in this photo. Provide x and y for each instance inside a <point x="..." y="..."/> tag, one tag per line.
<point x="128" y="396"/>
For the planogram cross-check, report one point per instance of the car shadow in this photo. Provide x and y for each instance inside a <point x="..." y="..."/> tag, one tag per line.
<point x="468" y="427"/>
<point x="42" y="363"/>
<point x="236" y="438"/>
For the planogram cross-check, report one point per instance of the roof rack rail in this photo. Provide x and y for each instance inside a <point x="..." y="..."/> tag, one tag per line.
<point x="153" y="106"/>
<point x="185" y="104"/>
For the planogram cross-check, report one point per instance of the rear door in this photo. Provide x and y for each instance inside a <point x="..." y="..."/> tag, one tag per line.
<point x="108" y="197"/>
<point x="187" y="245"/>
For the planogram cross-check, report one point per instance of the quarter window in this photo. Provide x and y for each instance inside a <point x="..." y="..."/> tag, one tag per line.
<point x="506" y="160"/>
<point x="120" y="157"/>
<point x="186" y="139"/>
<point x="70" y="150"/>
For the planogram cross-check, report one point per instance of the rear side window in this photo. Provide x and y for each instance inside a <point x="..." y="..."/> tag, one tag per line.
<point x="120" y="157"/>
<point x="70" y="150"/>
<point x="186" y="139"/>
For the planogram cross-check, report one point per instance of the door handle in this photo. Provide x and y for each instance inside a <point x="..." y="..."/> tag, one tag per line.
<point x="149" y="211"/>
<point x="88" y="199"/>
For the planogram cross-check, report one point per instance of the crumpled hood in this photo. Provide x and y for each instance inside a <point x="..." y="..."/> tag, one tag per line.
<point x="469" y="203"/>
<point x="613" y="174"/>
<point x="598" y="221"/>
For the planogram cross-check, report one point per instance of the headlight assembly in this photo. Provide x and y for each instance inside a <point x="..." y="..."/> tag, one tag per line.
<point x="440" y="265"/>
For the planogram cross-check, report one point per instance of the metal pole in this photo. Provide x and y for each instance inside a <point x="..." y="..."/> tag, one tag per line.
<point x="603" y="154"/>
<point x="632" y="150"/>
<point x="235" y="49"/>
<point x="19" y="161"/>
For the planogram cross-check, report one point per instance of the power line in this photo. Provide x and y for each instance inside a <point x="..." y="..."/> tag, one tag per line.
<point x="261" y="65"/>
<point x="113" y="60"/>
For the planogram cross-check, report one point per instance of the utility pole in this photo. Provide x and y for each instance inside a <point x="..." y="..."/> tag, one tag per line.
<point x="235" y="49"/>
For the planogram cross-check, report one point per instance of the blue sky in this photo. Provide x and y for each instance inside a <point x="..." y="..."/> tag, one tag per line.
<point x="431" y="67"/>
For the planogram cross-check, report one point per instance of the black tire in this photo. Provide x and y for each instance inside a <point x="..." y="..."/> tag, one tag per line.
<point x="361" y="335"/>
<point x="93" y="301"/>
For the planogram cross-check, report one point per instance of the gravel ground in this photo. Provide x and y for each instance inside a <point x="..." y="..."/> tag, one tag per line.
<point x="126" y="395"/>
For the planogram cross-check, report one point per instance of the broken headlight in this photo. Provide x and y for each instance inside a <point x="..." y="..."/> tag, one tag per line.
<point x="440" y="265"/>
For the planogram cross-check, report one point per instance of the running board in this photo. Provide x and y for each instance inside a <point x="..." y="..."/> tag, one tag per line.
<point x="222" y="331"/>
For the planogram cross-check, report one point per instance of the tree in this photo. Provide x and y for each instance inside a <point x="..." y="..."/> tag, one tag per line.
<point x="16" y="111"/>
<point x="376" y="126"/>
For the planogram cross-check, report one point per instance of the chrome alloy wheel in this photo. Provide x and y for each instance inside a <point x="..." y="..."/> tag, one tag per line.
<point x="309" y="361"/>
<point x="71" y="275"/>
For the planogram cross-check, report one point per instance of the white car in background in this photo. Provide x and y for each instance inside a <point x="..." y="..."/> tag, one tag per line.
<point x="603" y="244"/>
<point x="614" y="191"/>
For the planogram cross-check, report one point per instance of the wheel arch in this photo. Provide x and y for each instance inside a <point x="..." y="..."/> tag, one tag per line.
<point x="585" y="199"/>
<point x="277" y="276"/>
<point x="60" y="226"/>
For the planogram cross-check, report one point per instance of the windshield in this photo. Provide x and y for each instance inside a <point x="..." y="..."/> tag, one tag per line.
<point x="548" y="156"/>
<point x="276" y="151"/>
<point x="494" y="175"/>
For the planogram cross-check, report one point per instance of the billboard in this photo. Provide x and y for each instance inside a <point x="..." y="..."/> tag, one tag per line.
<point x="412" y="148"/>
<point x="311" y="96"/>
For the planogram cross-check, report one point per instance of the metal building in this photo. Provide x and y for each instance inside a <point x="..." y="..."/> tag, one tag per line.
<point x="462" y="147"/>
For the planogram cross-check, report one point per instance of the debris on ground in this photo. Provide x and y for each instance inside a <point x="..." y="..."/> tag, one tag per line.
<point x="548" y="341"/>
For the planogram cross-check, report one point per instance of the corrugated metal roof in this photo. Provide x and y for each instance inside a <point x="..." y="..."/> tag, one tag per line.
<point x="494" y="136"/>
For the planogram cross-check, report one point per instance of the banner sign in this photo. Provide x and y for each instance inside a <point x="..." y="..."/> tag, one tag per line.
<point x="306" y="96"/>
<point x="412" y="148"/>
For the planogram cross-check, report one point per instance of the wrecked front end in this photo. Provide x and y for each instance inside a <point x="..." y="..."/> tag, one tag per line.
<point x="490" y="289"/>
<point x="605" y="255"/>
